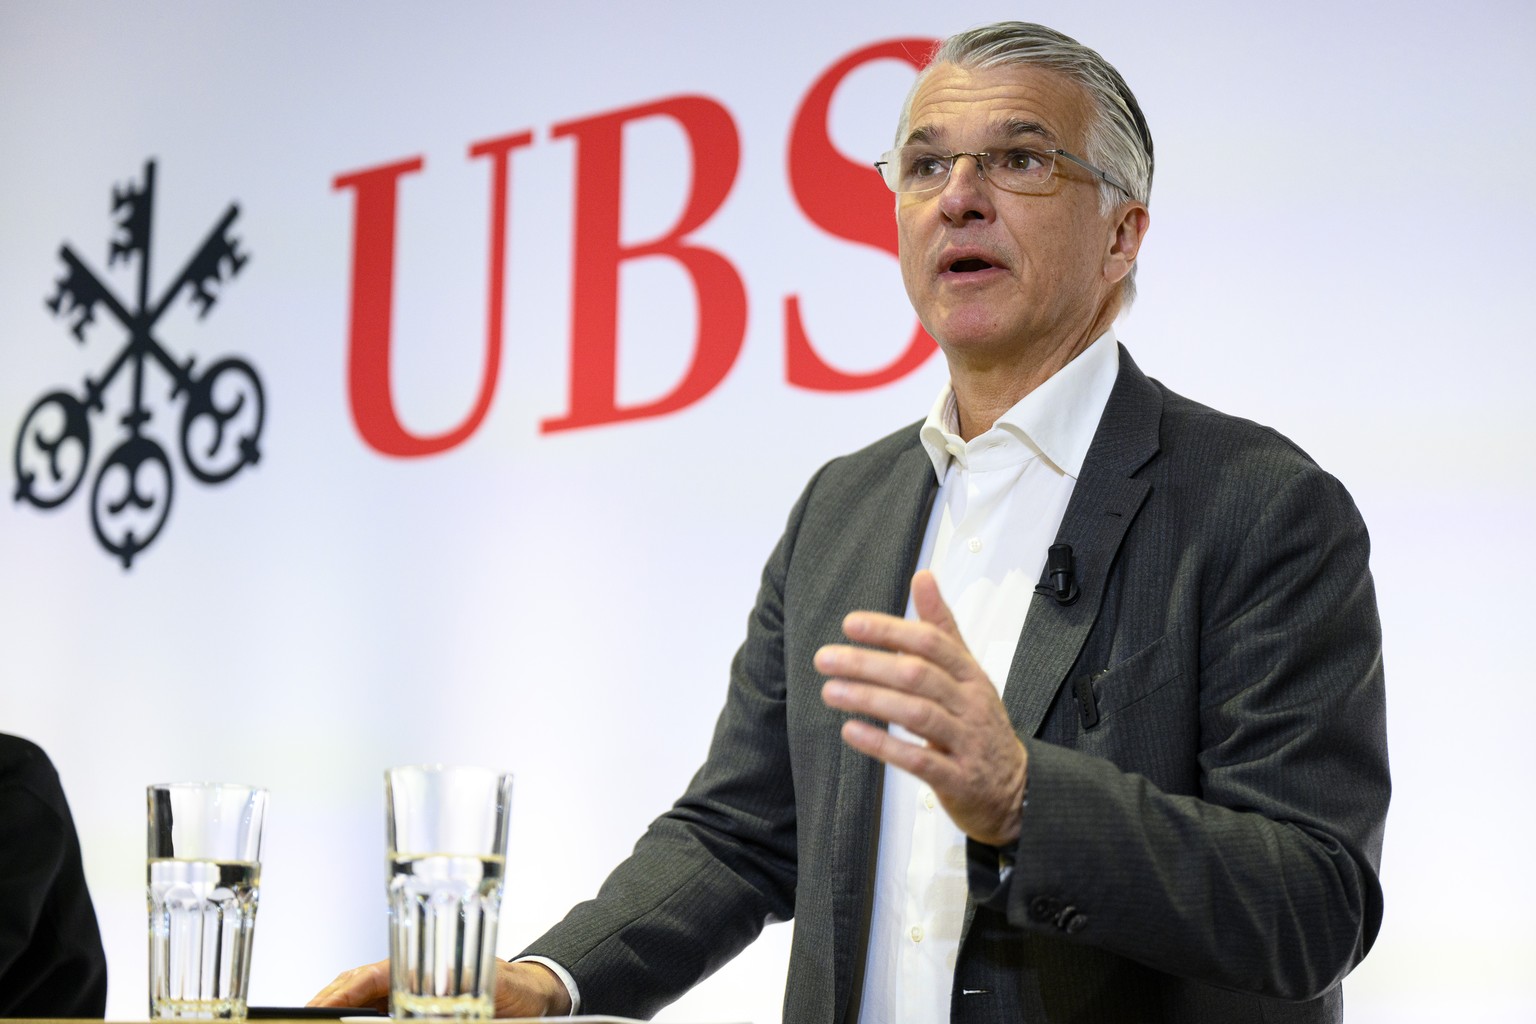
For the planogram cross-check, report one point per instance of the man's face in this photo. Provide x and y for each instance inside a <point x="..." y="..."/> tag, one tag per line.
<point x="992" y="273"/>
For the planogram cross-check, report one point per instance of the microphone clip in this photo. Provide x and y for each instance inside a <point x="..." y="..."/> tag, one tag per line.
<point x="1059" y="570"/>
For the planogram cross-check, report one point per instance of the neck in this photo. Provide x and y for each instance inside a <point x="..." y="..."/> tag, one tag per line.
<point x="986" y="385"/>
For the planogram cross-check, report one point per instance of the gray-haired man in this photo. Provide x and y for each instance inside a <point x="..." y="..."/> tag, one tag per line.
<point x="1131" y="766"/>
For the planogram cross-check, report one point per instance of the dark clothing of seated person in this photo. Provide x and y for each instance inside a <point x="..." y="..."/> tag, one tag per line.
<point x="51" y="960"/>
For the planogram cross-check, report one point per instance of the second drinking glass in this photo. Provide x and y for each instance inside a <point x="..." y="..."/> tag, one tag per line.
<point x="447" y="831"/>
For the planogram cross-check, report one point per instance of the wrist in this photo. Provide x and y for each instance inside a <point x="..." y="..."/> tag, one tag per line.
<point x="1014" y="826"/>
<point x="539" y="983"/>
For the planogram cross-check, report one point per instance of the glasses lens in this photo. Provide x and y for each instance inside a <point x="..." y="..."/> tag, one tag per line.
<point x="914" y="169"/>
<point x="922" y="169"/>
<point x="1020" y="170"/>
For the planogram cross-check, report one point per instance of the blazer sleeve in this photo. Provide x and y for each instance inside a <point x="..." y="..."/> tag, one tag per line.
<point x="1264" y="878"/>
<point x="711" y="872"/>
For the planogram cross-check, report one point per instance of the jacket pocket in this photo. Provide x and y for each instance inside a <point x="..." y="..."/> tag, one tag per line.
<point x="1137" y="677"/>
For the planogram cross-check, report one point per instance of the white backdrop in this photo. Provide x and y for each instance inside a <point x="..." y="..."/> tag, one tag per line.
<point x="1340" y="247"/>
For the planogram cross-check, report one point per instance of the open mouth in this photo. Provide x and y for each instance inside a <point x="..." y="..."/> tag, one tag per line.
<point x="969" y="266"/>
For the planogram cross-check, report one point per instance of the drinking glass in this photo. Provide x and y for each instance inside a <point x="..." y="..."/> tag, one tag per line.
<point x="204" y="877"/>
<point x="447" y="832"/>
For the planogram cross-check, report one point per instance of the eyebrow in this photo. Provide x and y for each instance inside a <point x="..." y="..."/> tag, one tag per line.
<point x="1013" y="128"/>
<point x="1007" y="130"/>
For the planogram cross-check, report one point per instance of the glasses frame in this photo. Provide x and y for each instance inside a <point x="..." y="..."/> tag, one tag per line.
<point x="981" y="170"/>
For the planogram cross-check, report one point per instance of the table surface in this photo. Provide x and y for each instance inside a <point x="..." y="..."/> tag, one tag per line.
<point x="318" y="1020"/>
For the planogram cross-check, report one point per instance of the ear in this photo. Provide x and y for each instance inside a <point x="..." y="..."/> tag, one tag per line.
<point x="1125" y="241"/>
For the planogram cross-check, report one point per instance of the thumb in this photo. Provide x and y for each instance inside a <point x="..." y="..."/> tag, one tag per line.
<point x="930" y="604"/>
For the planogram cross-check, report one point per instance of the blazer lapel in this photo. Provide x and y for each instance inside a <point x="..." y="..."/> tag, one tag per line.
<point x="1105" y="500"/>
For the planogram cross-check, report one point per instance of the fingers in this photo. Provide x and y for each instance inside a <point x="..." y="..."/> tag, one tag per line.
<point x="361" y="986"/>
<point x="921" y="676"/>
<point x="982" y="788"/>
<point x="915" y="674"/>
<point x="925" y="716"/>
<point x="912" y="758"/>
<point x="901" y="672"/>
<point x="934" y="636"/>
<point x="924" y="641"/>
<point x="522" y="990"/>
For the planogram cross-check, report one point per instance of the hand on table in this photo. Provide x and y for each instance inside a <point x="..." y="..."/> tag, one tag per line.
<point x="522" y="990"/>
<point x="924" y="679"/>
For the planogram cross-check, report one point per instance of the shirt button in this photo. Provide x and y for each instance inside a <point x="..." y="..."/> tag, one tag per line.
<point x="975" y="544"/>
<point x="917" y="933"/>
<point x="928" y="800"/>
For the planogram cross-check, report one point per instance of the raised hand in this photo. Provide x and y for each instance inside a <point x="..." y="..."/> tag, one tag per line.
<point x="921" y="676"/>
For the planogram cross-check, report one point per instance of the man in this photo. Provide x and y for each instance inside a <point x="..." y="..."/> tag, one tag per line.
<point x="1136" y="756"/>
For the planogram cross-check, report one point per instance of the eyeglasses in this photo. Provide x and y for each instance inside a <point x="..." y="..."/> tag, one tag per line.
<point x="909" y="169"/>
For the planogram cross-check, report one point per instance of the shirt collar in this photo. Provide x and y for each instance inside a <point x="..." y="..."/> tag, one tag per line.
<point x="1057" y="420"/>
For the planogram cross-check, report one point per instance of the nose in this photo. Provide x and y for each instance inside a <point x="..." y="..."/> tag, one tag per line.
<point x="966" y="195"/>
<point x="981" y="168"/>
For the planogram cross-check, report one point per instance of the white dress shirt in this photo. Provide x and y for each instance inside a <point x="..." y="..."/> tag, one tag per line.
<point x="999" y="506"/>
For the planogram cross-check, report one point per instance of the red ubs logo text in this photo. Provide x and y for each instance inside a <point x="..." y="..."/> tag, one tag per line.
<point x="840" y="196"/>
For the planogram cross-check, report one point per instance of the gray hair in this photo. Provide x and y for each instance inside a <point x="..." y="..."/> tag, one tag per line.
<point x="1118" y="139"/>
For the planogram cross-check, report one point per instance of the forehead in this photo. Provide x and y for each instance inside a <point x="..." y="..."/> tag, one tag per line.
<point x="972" y="105"/>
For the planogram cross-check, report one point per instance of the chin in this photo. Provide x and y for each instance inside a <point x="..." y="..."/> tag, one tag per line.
<point x="969" y="333"/>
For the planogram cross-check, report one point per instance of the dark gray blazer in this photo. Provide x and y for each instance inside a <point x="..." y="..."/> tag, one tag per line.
<point x="1207" y="754"/>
